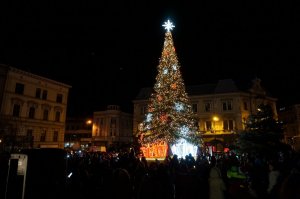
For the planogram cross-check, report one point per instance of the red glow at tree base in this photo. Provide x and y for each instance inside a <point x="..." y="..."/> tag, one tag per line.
<point x="155" y="150"/>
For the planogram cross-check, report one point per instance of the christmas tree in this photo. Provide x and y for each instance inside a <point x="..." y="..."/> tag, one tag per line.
<point x="263" y="134"/>
<point x="169" y="121"/>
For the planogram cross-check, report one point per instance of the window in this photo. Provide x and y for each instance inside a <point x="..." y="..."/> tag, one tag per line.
<point x="228" y="125"/>
<point x="101" y="130"/>
<point x="31" y="112"/>
<point x="38" y="93"/>
<point x="55" y="136"/>
<point x="96" y="132"/>
<point x="195" y="108"/>
<point x="208" y="125"/>
<point x="112" y="132"/>
<point x="227" y="105"/>
<point x="113" y="121"/>
<point x="59" y="98"/>
<point x="224" y="106"/>
<point x="207" y="106"/>
<point x="45" y="114"/>
<point x="57" y="116"/>
<point x="19" y="88"/>
<point x="29" y="135"/>
<point x="245" y="106"/>
<point x="45" y="93"/>
<point x="16" y="110"/>
<point x="43" y="136"/>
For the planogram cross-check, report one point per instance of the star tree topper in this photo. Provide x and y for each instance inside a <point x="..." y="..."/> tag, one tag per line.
<point x="168" y="25"/>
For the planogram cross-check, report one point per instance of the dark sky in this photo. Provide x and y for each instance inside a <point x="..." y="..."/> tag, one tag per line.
<point x="108" y="50"/>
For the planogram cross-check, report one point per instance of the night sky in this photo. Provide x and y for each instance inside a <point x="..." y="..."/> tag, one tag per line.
<point x="108" y="50"/>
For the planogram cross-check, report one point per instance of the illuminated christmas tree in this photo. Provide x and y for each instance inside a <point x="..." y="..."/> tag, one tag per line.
<point x="170" y="121"/>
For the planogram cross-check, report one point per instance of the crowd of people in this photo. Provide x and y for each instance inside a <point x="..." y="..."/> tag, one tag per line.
<point x="228" y="176"/>
<point x="223" y="176"/>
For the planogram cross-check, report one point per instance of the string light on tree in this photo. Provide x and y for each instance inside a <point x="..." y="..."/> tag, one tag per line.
<point x="149" y="117"/>
<point x="172" y="121"/>
<point x="166" y="71"/>
<point x="178" y="106"/>
<point x="173" y="86"/>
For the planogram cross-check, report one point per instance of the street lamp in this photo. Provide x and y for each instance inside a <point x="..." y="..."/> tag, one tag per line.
<point x="88" y="122"/>
<point x="215" y="119"/>
<point x="89" y="128"/>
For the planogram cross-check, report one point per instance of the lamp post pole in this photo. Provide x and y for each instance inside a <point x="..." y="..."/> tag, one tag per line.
<point x="215" y="120"/>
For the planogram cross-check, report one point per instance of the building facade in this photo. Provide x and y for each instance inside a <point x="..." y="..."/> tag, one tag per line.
<point x="33" y="110"/>
<point x="290" y="116"/>
<point x="78" y="134"/>
<point x="112" y="128"/>
<point x="222" y="109"/>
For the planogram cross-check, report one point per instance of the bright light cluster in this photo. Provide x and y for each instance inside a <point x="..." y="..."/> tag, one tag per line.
<point x="179" y="106"/>
<point x="170" y="118"/>
<point x="183" y="148"/>
<point x="168" y="25"/>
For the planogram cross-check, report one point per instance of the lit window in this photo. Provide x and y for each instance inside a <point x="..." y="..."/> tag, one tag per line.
<point x="228" y="125"/>
<point x="208" y="125"/>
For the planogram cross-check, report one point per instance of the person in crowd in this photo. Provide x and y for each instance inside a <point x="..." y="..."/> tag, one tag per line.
<point x="121" y="184"/>
<point x="216" y="184"/>
<point x="290" y="188"/>
<point x="274" y="180"/>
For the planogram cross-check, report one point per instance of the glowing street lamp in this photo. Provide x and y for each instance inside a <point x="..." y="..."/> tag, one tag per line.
<point x="214" y="144"/>
<point x="215" y="118"/>
<point x="88" y="122"/>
